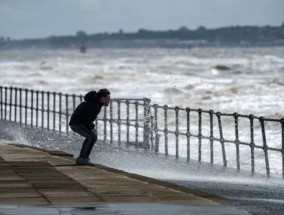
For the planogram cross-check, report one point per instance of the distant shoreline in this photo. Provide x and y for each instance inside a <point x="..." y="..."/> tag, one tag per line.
<point x="240" y="36"/>
<point x="134" y="44"/>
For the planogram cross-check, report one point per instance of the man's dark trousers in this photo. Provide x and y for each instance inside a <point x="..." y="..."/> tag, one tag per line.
<point x="89" y="142"/>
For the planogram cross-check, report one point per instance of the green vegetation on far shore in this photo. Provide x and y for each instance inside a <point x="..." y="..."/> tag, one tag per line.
<point x="180" y="38"/>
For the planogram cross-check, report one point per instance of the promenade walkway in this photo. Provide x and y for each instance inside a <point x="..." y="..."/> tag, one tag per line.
<point x="35" y="181"/>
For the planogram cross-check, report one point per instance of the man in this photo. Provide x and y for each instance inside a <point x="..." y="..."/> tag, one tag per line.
<point x="82" y="121"/>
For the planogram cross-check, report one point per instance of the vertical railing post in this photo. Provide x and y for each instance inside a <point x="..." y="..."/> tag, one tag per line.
<point x="119" y="121"/>
<point x="199" y="134"/>
<point x="67" y="113"/>
<point x="73" y="102"/>
<point x="252" y="144"/>
<point x="136" y="122"/>
<point x="265" y="149"/>
<point x="157" y="144"/>
<point x="21" y="105"/>
<point x="282" y="149"/>
<point x="48" y="109"/>
<point x="211" y="137"/>
<point x="111" y="121"/>
<point x="177" y="131"/>
<point x="16" y="104"/>
<point x="32" y="107"/>
<point x="10" y="104"/>
<point x="42" y="109"/>
<point x="127" y="121"/>
<point x="222" y="141"/>
<point x="156" y="128"/>
<point x="26" y="106"/>
<point x="237" y="141"/>
<point x="54" y="110"/>
<point x="166" y="129"/>
<point x="60" y="111"/>
<point x="188" y="133"/>
<point x="146" y="127"/>
<point x="5" y="104"/>
<point x="37" y="107"/>
<point x="105" y="124"/>
<point x="152" y="133"/>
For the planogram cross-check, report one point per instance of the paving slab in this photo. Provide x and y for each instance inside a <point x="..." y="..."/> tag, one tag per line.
<point x="8" y="177"/>
<point x="24" y="201"/>
<point x="42" y="175"/>
<point x="17" y="193"/>
<point x="73" y="200"/>
<point x="11" y="184"/>
<point x="62" y="193"/>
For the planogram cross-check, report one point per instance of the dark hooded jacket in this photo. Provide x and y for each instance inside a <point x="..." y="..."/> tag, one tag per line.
<point x="87" y="111"/>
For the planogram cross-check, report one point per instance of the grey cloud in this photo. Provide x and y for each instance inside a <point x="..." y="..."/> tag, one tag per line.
<point x="34" y="18"/>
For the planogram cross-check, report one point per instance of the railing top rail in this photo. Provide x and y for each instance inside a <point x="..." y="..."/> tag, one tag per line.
<point x="67" y="94"/>
<point x="218" y="113"/>
<point x="127" y="99"/>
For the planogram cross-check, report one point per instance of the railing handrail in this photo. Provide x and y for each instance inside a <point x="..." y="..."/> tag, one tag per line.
<point x="217" y="112"/>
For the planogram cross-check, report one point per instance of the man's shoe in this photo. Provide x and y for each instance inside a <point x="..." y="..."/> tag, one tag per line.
<point x="79" y="161"/>
<point x="84" y="162"/>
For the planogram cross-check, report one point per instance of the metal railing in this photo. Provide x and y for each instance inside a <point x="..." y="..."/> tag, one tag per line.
<point x="214" y="137"/>
<point x="122" y="122"/>
<point x="233" y="140"/>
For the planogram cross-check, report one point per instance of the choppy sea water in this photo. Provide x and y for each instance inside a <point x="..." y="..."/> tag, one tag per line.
<point x="252" y="83"/>
<point x="243" y="80"/>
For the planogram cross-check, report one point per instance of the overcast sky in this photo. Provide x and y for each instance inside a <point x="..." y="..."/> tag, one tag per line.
<point x="42" y="18"/>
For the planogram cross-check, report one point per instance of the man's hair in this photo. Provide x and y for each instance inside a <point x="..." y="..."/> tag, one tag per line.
<point x="103" y="93"/>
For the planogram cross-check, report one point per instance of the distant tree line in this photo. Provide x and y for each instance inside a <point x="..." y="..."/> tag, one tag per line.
<point x="182" y="37"/>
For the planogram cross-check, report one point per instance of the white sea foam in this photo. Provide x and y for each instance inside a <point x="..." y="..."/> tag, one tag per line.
<point x="252" y="84"/>
<point x="254" y="77"/>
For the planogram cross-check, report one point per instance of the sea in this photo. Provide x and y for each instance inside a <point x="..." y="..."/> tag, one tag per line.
<point x="243" y="80"/>
<point x="246" y="80"/>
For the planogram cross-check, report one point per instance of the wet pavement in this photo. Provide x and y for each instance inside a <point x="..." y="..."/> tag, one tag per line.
<point x="48" y="182"/>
